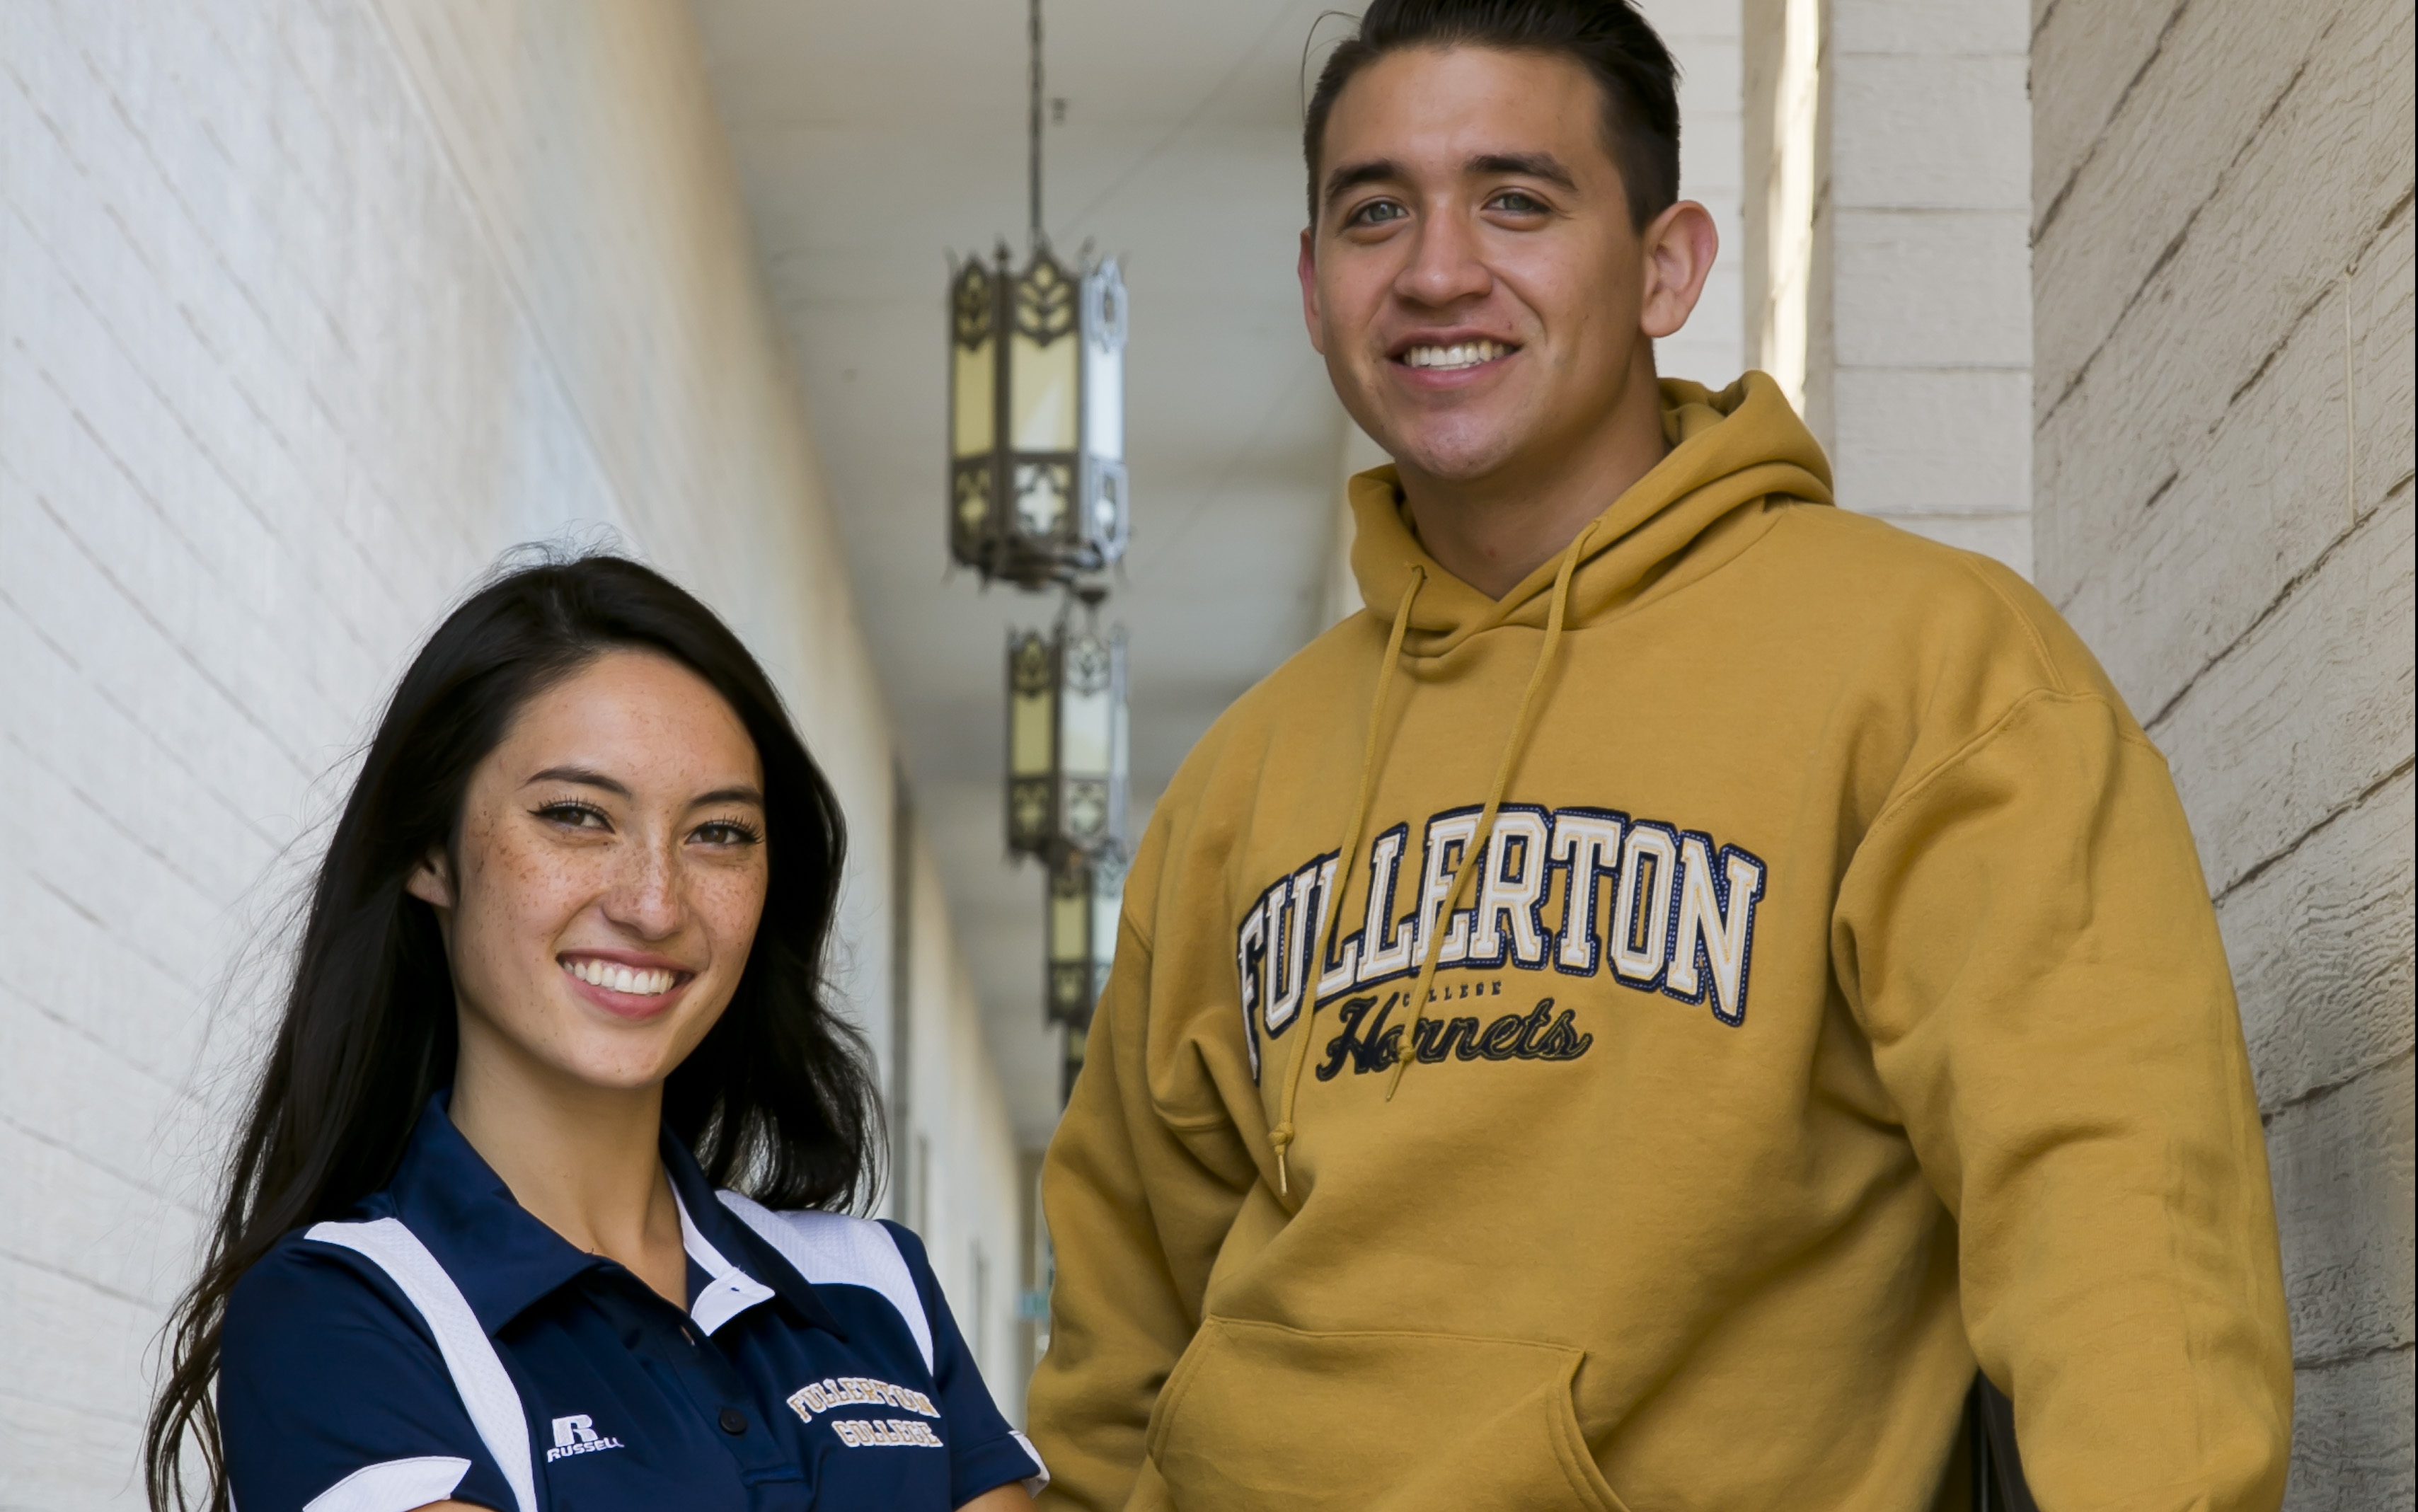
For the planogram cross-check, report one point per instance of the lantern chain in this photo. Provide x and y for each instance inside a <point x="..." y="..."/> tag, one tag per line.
<point x="1033" y="164"/>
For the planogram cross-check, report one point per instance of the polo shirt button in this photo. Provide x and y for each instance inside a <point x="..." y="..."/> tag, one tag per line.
<point x="733" y="1421"/>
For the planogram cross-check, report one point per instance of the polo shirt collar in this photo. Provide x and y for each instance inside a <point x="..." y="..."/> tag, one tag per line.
<point x="740" y="1268"/>
<point x="504" y="1260"/>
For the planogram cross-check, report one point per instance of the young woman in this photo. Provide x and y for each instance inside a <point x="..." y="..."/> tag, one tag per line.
<point x="557" y="1003"/>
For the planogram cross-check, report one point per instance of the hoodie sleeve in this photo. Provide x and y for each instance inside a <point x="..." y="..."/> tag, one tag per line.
<point x="2026" y="936"/>
<point x="1135" y="1217"/>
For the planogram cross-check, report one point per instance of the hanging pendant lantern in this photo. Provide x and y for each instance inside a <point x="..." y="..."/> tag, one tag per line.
<point x="1037" y="404"/>
<point x="1066" y="740"/>
<point x="1037" y="419"/>
<point x="1085" y="897"/>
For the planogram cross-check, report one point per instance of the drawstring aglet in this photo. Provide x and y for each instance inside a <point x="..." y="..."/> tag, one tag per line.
<point x="1281" y="1137"/>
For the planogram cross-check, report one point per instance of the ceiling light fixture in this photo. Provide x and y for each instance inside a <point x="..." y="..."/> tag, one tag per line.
<point x="1038" y="489"/>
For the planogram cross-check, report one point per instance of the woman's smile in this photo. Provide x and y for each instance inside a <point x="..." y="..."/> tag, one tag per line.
<point x="624" y="984"/>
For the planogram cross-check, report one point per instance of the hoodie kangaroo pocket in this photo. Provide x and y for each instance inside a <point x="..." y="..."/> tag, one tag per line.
<point x="1260" y="1415"/>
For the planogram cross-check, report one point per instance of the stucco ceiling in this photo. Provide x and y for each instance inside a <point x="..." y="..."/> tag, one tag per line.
<point x="872" y="140"/>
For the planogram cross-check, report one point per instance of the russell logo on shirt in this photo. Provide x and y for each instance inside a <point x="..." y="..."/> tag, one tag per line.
<point x="576" y="1434"/>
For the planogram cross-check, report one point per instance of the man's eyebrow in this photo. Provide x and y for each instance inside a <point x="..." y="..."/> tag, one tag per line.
<point x="581" y="775"/>
<point x="1352" y="175"/>
<point x="1542" y="165"/>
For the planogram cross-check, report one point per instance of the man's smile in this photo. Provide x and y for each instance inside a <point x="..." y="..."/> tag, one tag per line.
<point x="1460" y="356"/>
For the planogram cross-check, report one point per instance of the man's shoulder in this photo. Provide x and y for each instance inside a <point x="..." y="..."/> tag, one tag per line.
<point x="1941" y="602"/>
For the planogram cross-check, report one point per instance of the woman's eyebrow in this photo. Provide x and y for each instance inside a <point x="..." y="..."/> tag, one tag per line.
<point x="581" y="775"/>
<point x="740" y="794"/>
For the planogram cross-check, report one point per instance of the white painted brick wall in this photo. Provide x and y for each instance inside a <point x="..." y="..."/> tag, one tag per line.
<point x="308" y="309"/>
<point x="1704" y="41"/>
<point x="2222" y="325"/>
<point x="1887" y="149"/>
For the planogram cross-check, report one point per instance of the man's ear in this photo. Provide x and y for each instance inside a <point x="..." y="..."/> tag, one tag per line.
<point x="1309" y="270"/>
<point x="1679" y="247"/>
<point x="432" y="881"/>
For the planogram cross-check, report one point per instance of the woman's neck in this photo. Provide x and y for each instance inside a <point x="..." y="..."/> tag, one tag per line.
<point x="584" y="1160"/>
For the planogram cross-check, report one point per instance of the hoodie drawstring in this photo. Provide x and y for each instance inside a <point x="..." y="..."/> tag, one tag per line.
<point x="1281" y="1136"/>
<point x="1472" y="858"/>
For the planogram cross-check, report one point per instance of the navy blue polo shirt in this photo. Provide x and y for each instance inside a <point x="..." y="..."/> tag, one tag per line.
<point x="826" y="1372"/>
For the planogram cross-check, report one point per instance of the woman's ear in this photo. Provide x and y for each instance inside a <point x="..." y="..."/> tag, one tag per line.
<point x="432" y="881"/>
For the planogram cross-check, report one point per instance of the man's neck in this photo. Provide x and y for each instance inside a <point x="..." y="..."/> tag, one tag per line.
<point x="1491" y="532"/>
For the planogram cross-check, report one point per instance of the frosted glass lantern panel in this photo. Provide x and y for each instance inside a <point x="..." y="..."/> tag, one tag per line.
<point x="1041" y="384"/>
<point x="1028" y="716"/>
<point x="1069" y="910"/>
<point x="1040" y="497"/>
<point x="1104" y="404"/>
<point x="1120" y="757"/>
<point x="977" y="369"/>
<point x="1089" y="731"/>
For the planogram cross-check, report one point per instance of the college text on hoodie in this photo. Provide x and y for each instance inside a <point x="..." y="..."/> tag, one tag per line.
<point x="1835" y="999"/>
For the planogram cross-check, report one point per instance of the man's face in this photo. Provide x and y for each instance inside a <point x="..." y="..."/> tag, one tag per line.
<point x="1473" y="279"/>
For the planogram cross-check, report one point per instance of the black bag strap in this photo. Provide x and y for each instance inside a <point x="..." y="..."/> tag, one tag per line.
<point x="1990" y="1437"/>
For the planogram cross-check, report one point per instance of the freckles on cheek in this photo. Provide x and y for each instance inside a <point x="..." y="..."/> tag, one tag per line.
<point x="733" y="902"/>
<point x="529" y="881"/>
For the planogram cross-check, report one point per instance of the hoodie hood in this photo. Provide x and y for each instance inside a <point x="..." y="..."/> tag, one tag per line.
<point x="1729" y="451"/>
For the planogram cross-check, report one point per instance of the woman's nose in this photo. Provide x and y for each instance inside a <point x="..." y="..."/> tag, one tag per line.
<point x="646" y="898"/>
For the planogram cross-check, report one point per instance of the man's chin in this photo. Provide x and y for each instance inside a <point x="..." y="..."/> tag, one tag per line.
<point x="1456" y="454"/>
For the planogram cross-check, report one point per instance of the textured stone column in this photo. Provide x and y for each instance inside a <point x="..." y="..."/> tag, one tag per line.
<point x="2222" y="283"/>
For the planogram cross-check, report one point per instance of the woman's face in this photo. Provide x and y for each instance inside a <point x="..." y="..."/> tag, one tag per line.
<point x="604" y="888"/>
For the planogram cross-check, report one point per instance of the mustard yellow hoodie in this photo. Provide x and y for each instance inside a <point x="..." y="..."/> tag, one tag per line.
<point x="1836" y="1001"/>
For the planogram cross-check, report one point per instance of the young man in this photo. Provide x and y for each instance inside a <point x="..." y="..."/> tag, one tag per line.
<point x="1635" y="1016"/>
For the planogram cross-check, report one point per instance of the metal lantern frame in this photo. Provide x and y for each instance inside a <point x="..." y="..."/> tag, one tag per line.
<point x="1067" y="739"/>
<point x="1086" y="895"/>
<point x="1037" y="483"/>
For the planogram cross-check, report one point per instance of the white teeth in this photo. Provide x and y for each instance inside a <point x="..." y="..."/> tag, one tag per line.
<point x="637" y="984"/>
<point x="1465" y="354"/>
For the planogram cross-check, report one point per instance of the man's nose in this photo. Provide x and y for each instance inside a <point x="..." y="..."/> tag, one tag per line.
<point x="1444" y="267"/>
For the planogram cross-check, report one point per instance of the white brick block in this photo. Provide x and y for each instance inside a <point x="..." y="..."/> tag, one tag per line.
<point x="1712" y="166"/>
<point x="86" y="1459"/>
<point x="2314" y="95"/>
<point x="2351" y="1441"/>
<point x="2321" y="945"/>
<point x="2312" y="710"/>
<point x="1930" y="28"/>
<point x="2165" y="541"/>
<point x="1943" y="288"/>
<point x="86" y="1342"/>
<point x="2342" y="1165"/>
<point x="1925" y="132"/>
<point x="1932" y="441"/>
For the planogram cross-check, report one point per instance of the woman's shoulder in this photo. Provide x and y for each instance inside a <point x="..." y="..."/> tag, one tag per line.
<point x="306" y="1285"/>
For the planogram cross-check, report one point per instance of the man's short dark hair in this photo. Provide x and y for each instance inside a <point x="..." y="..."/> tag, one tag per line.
<point x="1608" y="37"/>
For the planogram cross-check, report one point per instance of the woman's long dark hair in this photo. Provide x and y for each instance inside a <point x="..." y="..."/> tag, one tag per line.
<point x="777" y="1098"/>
